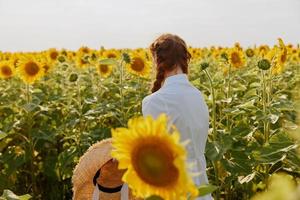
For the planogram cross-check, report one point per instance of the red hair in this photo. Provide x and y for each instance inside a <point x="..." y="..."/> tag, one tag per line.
<point x="170" y="52"/>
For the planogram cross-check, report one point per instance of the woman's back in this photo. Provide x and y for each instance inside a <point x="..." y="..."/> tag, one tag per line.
<point x="174" y="95"/>
<point x="186" y="108"/>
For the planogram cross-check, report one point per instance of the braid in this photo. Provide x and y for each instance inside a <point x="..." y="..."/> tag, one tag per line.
<point x="159" y="78"/>
<point x="169" y="51"/>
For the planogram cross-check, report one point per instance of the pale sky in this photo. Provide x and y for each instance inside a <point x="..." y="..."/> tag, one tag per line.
<point x="30" y="25"/>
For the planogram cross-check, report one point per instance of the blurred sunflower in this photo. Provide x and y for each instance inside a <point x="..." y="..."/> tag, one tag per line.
<point x="237" y="45"/>
<point x="139" y="65"/>
<point x="280" y="58"/>
<point x="84" y="50"/>
<point x="282" y="55"/>
<point x="70" y="56"/>
<point x="262" y="50"/>
<point x="104" y="70"/>
<point x="154" y="159"/>
<point x="30" y="69"/>
<point x="7" y="69"/>
<point x="81" y="60"/>
<point x="236" y="57"/>
<point x="53" y="54"/>
<point x="111" y="53"/>
<point x="46" y="63"/>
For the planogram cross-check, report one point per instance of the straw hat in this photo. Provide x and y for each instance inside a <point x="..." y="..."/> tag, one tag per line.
<point x="97" y="176"/>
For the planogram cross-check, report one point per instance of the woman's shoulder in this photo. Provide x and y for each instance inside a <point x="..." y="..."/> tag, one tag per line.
<point x="154" y="97"/>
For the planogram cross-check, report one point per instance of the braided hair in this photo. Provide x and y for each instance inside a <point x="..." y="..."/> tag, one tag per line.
<point x="169" y="52"/>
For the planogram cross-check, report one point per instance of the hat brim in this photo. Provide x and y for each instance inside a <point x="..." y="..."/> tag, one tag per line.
<point x="92" y="160"/>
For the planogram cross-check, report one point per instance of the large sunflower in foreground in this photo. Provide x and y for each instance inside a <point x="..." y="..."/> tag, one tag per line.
<point x="7" y="69"/>
<point x="104" y="70"/>
<point x="236" y="58"/>
<point x="154" y="159"/>
<point x="139" y="65"/>
<point x="30" y="69"/>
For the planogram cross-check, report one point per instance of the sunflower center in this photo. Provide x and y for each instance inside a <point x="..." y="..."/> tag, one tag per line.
<point x="31" y="68"/>
<point x="103" y="68"/>
<point x="235" y="58"/>
<point x="6" y="70"/>
<point x="53" y="55"/>
<point x="153" y="162"/>
<point x="137" y="64"/>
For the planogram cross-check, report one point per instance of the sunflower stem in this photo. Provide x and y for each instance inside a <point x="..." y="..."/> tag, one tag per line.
<point x="121" y="92"/>
<point x="139" y="93"/>
<point x="30" y="141"/>
<point x="215" y="164"/>
<point x="265" y="103"/>
<point x="228" y="96"/>
<point x="213" y="105"/>
<point x="79" y="101"/>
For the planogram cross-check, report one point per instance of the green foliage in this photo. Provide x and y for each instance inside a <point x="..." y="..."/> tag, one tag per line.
<point x="9" y="195"/>
<point x="46" y="127"/>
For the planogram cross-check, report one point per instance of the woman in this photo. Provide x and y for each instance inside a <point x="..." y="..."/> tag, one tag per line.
<point x="173" y="94"/>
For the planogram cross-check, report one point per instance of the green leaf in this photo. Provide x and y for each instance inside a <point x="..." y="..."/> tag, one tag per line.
<point x="273" y="118"/>
<point x="9" y="195"/>
<point x="248" y="104"/>
<point x="206" y="189"/>
<point x="2" y="135"/>
<point x="29" y="107"/>
<point x="246" y="179"/>
<point x="108" y="61"/>
<point x="213" y="151"/>
<point x="250" y="93"/>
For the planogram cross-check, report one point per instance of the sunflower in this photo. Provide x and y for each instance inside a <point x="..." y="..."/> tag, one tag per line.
<point x="30" y="69"/>
<point x="195" y="52"/>
<point x="111" y="53"/>
<point x="81" y="60"/>
<point x="139" y="65"/>
<point x="53" y="54"/>
<point x="262" y="50"/>
<point x="104" y="70"/>
<point x="84" y="50"/>
<point x="7" y="69"/>
<point x="154" y="159"/>
<point x="236" y="58"/>
<point x="282" y="55"/>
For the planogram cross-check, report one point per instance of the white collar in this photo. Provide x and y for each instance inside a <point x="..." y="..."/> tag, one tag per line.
<point x="177" y="78"/>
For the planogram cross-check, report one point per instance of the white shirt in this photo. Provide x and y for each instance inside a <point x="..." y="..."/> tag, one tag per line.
<point x="184" y="105"/>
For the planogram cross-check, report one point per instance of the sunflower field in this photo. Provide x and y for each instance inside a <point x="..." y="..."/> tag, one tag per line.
<point x="55" y="104"/>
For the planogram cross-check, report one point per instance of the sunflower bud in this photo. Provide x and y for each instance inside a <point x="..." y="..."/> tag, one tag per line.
<point x="73" y="77"/>
<point x="61" y="59"/>
<point x="204" y="65"/>
<point x="249" y="53"/>
<point x="224" y="56"/>
<point x="126" y="57"/>
<point x="264" y="64"/>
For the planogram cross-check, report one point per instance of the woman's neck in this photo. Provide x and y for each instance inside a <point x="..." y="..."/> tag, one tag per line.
<point x="175" y="71"/>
